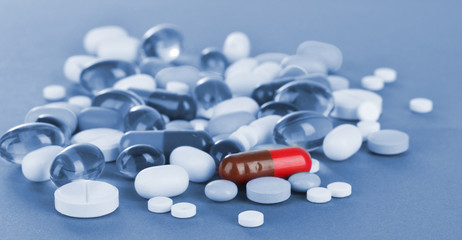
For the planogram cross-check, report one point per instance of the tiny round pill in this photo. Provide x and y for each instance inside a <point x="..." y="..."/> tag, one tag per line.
<point x="421" y="105"/>
<point x="388" y="142"/>
<point x="387" y="74"/>
<point x="160" y="204"/>
<point x="302" y="181"/>
<point x="318" y="195"/>
<point x="221" y="190"/>
<point x="372" y="83"/>
<point x="183" y="210"/>
<point x="250" y="218"/>
<point x="368" y="111"/>
<point x="54" y="92"/>
<point x="339" y="189"/>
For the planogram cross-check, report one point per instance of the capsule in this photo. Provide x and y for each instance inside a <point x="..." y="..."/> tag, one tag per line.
<point x="242" y="167"/>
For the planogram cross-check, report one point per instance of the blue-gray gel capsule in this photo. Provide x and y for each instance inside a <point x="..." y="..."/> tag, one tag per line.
<point x="66" y="117"/>
<point x="118" y="100"/>
<point x="210" y="91"/>
<point x="163" y="41"/>
<point x="307" y="95"/>
<point x="265" y="92"/>
<point x="167" y="140"/>
<point x="57" y="123"/>
<point x="152" y="65"/>
<point x="25" y="138"/>
<point x="303" y="128"/>
<point x="175" y="106"/>
<point x="99" y="117"/>
<point x="213" y="60"/>
<point x="276" y="108"/>
<point x="104" y="73"/>
<point x="138" y="157"/>
<point x="223" y="148"/>
<point x="78" y="161"/>
<point x="141" y="118"/>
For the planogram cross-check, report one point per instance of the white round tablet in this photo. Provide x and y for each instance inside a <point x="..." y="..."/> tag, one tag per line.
<point x="183" y="210"/>
<point x="160" y="204"/>
<point x="368" y="111"/>
<point x="372" y="83"/>
<point x="318" y="195"/>
<point x="421" y="105"/>
<point x="340" y="189"/>
<point x="81" y="101"/>
<point x="250" y="218"/>
<point x="387" y="74"/>
<point x="54" y="92"/>
<point x="314" y="166"/>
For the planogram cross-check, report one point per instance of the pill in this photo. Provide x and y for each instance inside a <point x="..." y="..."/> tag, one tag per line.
<point x="242" y="84"/>
<point x="257" y="132"/>
<point x="74" y="108"/>
<point x="183" y="210"/>
<point x="177" y="87"/>
<point x="388" y="142"/>
<point x="163" y="41"/>
<point x="339" y="189"/>
<point x="80" y="101"/>
<point x="421" y="105"/>
<point x="104" y="74"/>
<point x="302" y="181"/>
<point x="141" y="118"/>
<point x="137" y="81"/>
<point x="165" y="180"/>
<point x="291" y="71"/>
<point x="347" y="102"/>
<point x="223" y="148"/>
<point x="152" y="65"/>
<point x="77" y="161"/>
<point x="74" y="65"/>
<point x="98" y="35"/>
<point x="36" y="164"/>
<point x="372" y="83"/>
<point x="64" y="116"/>
<point x="276" y="108"/>
<point x="124" y="48"/>
<point x="338" y="82"/>
<point x="18" y="141"/>
<point x="208" y="92"/>
<point x="119" y="100"/>
<point x="268" y="69"/>
<point x="318" y="195"/>
<point x="86" y="199"/>
<point x="270" y="57"/>
<point x="311" y="64"/>
<point x="237" y="104"/>
<point x="342" y="142"/>
<point x="250" y="218"/>
<point x="220" y="190"/>
<point x="228" y="123"/>
<point x="185" y="74"/>
<point x="266" y="92"/>
<point x="368" y="127"/>
<point x="330" y="54"/>
<point x="54" y="92"/>
<point x="236" y="46"/>
<point x="277" y="162"/>
<point x="99" y="117"/>
<point x="314" y="166"/>
<point x="268" y="190"/>
<point x="179" y="125"/>
<point x="160" y="204"/>
<point x="387" y="74"/>
<point x="213" y="60"/>
<point x="50" y="119"/>
<point x="106" y="139"/>
<point x="306" y="95"/>
<point x="368" y="111"/>
<point x="245" y="65"/>
<point x="302" y="128"/>
<point x="199" y="124"/>
<point x="138" y="157"/>
<point x="199" y="165"/>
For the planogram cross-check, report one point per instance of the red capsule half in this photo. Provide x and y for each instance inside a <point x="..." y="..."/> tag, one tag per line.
<point x="243" y="167"/>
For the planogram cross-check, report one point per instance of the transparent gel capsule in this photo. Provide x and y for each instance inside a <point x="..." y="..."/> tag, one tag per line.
<point x="303" y="128"/>
<point x="57" y="123"/>
<point x="210" y="91"/>
<point x="276" y="108"/>
<point x="223" y="148"/>
<point x="104" y="73"/>
<point x="62" y="117"/>
<point x="152" y="65"/>
<point x="213" y="60"/>
<point x="25" y="138"/>
<point x="163" y="41"/>
<point x="78" y="161"/>
<point x="141" y="118"/>
<point x="138" y="157"/>
<point x="119" y="100"/>
<point x="265" y="92"/>
<point x="100" y="117"/>
<point x="306" y="95"/>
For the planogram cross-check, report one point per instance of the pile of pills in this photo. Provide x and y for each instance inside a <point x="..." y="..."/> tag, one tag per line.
<point x="167" y="120"/>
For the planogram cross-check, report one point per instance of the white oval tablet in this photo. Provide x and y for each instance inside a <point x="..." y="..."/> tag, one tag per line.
<point x="318" y="195"/>
<point x="124" y="48"/>
<point x="342" y="142"/>
<point x="387" y="74"/>
<point x="199" y="164"/>
<point x="183" y="210"/>
<point x="242" y="84"/>
<point x="236" y="46"/>
<point x="347" y="102"/>
<point x="74" y="65"/>
<point x="137" y="81"/>
<point x="97" y="35"/>
<point x="54" y="92"/>
<point x="238" y="104"/>
<point x="339" y="189"/>
<point x="166" y="180"/>
<point x="421" y="105"/>
<point x="106" y="139"/>
<point x="36" y="165"/>
<point x="268" y="69"/>
<point x="160" y="204"/>
<point x="250" y="218"/>
<point x="81" y="101"/>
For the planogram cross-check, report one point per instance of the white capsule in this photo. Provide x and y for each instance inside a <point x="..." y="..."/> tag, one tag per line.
<point x="342" y="142"/>
<point x="137" y="81"/>
<point x="177" y="87"/>
<point x="124" y="48"/>
<point x="372" y="83"/>
<point x="368" y="111"/>
<point x="387" y="74"/>
<point x="36" y="165"/>
<point x="96" y="36"/>
<point x="74" y="66"/>
<point x="54" y="92"/>
<point x="421" y="105"/>
<point x="236" y="46"/>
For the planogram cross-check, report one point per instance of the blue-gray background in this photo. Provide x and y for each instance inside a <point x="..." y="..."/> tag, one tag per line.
<point x="416" y="195"/>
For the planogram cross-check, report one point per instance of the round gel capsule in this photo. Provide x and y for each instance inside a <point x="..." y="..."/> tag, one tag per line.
<point x="250" y="218"/>
<point x="421" y="105"/>
<point x="183" y="210"/>
<point x="318" y="195"/>
<point x="221" y="190"/>
<point x="160" y="204"/>
<point x="208" y="92"/>
<point x="213" y="60"/>
<point x="141" y="118"/>
<point x="163" y="41"/>
<point x="74" y="65"/>
<point x="339" y="189"/>
<point x="119" y="100"/>
<point x="138" y="157"/>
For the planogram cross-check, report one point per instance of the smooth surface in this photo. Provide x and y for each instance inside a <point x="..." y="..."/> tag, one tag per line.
<point x="268" y="190"/>
<point x="339" y="189"/>
<point x="183" y="210"/>
<point x="388" y="142"/>
<point x="220" y="190"/>
<point x="318" y="195"/>
<point x="165" y="180"/>
<point x="420" y="39"/>
<point x="250" y="218"/>
<point x="160" y="204"/>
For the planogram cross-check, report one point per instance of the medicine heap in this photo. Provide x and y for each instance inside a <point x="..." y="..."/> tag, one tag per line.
<point x="167" y="118"/>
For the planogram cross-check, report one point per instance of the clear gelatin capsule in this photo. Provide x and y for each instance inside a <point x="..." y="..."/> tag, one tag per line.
<point x="118" y="100"/>
<point x="223" y="148"/>
<point x="104" y="73"/>
<point x="57" y="123"/>
<point x="62" y="117"/>
<point x="276" y="108"/>
<point x="141" y="118"/>
<point x="266" y="92"/>
<point x="306" y="95"/>
<point x="163" y="41"/>
<point x="303" y="128"/>
<point x="213" y="60"/>
<point x="25" y="138"/>
<point x="78" y="161"/>
<point x="99" y="117"/>
<point x="138" y="157"/>
<point x="210" y="91"/>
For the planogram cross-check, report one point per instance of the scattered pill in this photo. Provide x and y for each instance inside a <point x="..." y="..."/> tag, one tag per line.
<point x="291" y="71"/>
<point x="237" y="104"/>
<point x="36" y="164"/>
<point x="186" y="74"/>
<point x="387" y="74"/>
<point x="271" y="57"/>
<point x="268" y="190"/>
<point x="138" y="157"/>
<point x="199" y="165"/>
<point x="339" y="189"/>
<point x="74" y="65"/>
<point x="338" y="82"/>
<point x="208" y="92"/>
<point x="372" y="83"/>
<point x="311" y="64"/>
<point x="86" y="199"/>
<point x="268" y="69"/>
<point x="106" y="139"/>
<point x="236" y="46"/>
<point x="179" y="125"/>
<point x="314" y="166"/>
<point x="160" y="204"/>
<point x="124" y="48"/>
<point x="276" y="108"/>
<point x="177" y="87"/>
<point x="368" y="111"/>
<point x="99" y="117"/>
<point x="163" y="41"/>
<point x="183" y="210"/>
<point x="54" y="92"/>
<point x="302" y="181"/>
<point x="388" y="142"/>
<point x="228" y="123"/>
<point x="81" y="101"/>
<point x="99" y="35"/>
<point x="165" y="180"/>
<point x="347" y="101"/>
<point x="330" y="54"/>
<point x="368" y="127"/>
<point x="66" y="118"/>
<point x="318" y="195"/>
<point x="250" y="218"/>
<point x="223" y="148"/>
<point x="137" y="81"/>
<point x="421" y="105"/>
<point x="221" y="190"/>
<point x="213" y="60"/>
<point x="342" y="142"/>
<point x="141" y="118"/>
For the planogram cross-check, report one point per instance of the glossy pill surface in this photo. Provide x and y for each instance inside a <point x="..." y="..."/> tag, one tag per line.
<point x="138" y="157"/>
<point x="221" y="190"/>
<point x="166" y="181"/>
<point x="141" y="118"/>
<point x="342" y="142"/>
<point x="268" y="190"/>
<point x="36" y="164"/>
<point x="213" y="60"/>
<point x="118" y="100"/>
<point x="199" y="164"/>
<point x="163" y="41"/>
<point x="210" y="91"/>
